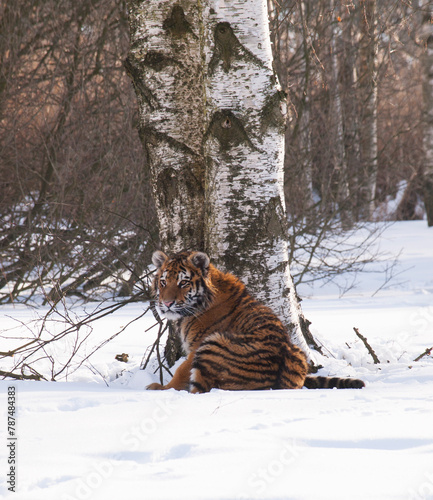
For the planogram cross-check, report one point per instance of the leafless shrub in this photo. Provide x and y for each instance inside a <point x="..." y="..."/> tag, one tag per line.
<point x="75" y="203"/>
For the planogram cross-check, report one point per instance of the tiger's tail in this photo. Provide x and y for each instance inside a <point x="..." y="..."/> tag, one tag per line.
<point x="319" y="382"/>
<point x="294" y="374"/>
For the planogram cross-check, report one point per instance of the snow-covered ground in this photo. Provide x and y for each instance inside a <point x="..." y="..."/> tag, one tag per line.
<point x="95" y="436"/>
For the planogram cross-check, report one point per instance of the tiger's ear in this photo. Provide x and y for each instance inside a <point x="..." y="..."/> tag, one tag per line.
<point x="200" y="260"/>
<point x="158" y="258"/>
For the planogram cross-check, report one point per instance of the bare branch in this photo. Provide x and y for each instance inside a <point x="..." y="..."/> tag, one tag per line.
<point x="427" y="352"/>
<point x="367" y="345"/>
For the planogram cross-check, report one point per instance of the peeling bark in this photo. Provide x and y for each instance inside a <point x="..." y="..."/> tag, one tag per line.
<point x="212" y="119"/>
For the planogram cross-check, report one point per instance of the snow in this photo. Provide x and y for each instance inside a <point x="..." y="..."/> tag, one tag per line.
<point x="94" y="436"/>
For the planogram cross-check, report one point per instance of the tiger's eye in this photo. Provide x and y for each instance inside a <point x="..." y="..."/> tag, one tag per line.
<point x="162" y="283"/>
<point x="184" y="283"/>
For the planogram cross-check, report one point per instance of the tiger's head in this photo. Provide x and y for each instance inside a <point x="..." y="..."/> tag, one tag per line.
<point x="181" y="285"/>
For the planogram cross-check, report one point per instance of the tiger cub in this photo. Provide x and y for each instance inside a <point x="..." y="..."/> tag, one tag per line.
<point x="233" y="341"/>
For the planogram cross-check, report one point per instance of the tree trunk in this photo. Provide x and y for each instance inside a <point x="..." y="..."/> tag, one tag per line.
<point x="304" y="119"/>
<point x="427" y="64"/>
<point x="351" y="105"/>
<point x="212" y="123"/>
<point x="368" y="83"/>
<point x="340" y="163"/>
<point x="166" y="68"/>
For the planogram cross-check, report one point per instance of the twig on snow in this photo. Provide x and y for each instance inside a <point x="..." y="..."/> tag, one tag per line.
<point x="368" y="346"/>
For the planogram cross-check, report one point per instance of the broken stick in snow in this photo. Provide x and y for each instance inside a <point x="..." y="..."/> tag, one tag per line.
<point x="368" y="346"/>
<point x="425" y="353"/>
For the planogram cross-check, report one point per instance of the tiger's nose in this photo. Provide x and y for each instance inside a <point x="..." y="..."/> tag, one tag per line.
<point x="168" y="304"/>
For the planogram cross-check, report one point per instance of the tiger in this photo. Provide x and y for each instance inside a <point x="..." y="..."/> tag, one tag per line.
<point x="232" y="340"/>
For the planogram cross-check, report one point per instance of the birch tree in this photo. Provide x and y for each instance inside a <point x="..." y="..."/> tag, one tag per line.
<point x="212" y="119"/>
<point x="427" y="64"/>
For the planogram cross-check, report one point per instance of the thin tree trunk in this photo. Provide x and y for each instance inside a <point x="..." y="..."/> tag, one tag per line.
<point x="368" y="83"/>
<point x="340" y="151"/>
<point x="351" y="105"/>
<point x="427" y="64"/>
<point x="305" y="115"/>
<point x="212" y="123"/>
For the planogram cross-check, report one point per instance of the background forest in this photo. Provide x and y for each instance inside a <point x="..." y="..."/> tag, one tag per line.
<point x="75" y="198"/>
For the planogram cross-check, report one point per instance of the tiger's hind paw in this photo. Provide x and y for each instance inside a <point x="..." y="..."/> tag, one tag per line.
<point x="155" y="387"/>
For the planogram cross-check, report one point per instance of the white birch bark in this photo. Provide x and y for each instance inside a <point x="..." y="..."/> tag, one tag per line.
<point x="165" y="65"/>
<point x="427" y="65"/>
<point x="210" y="103"/>
<point x="247" y="226"/>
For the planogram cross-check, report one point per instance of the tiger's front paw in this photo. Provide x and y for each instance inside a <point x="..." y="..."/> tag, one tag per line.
<point x="155" y="387"/>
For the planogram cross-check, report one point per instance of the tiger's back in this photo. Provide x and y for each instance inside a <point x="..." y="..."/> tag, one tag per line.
<point x="243" y="346"/>
<point x="233" y="341"/>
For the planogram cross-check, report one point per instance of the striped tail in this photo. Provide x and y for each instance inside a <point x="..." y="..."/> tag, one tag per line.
<point x="332" y="382"/>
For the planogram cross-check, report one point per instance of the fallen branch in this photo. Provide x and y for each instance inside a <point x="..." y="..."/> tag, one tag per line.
<point x="368" y="346"/>
<point x="427" y="352"/>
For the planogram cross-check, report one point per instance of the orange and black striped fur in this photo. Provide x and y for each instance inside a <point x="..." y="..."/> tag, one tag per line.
<point x="232" y="340"/>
